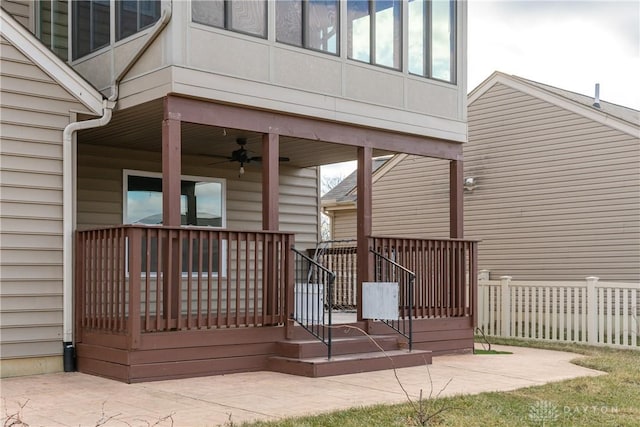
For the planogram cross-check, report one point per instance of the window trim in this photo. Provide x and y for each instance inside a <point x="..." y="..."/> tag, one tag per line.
<point x="223" y="195"/>
<point x="304" y="16"/>
<point x="372" y="37"/>
<point x="428" y="48"/>
<point x="228" y="20"/>
<point x="134" y="172"/>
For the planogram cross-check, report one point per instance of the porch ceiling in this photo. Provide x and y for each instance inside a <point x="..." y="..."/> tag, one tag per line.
<point x="140" y="128"/>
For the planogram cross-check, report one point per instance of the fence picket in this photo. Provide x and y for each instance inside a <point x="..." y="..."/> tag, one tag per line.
<point x="591" y="312"/>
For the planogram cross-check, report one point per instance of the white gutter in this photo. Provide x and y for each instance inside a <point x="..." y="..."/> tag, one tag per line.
<point x="68" y="215"/>
<point x="68" y="187"/>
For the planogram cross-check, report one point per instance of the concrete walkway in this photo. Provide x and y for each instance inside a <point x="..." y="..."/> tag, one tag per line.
<point x="75" y="399"/>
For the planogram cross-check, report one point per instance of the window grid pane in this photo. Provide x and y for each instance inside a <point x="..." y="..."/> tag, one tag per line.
<point x="359" y="30"/>
<point x="322" y="22"/>
<point x="388" y="33"/>
<point x="289" y="22"/>
<point x="249" y="16"/>
<point x="417" y="49"/>
<point x="442" y="47"/>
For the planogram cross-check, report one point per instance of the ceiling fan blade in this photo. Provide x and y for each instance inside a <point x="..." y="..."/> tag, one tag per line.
<point x="259" y="159"/>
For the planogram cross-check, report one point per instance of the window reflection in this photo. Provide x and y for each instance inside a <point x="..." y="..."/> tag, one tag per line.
<point x="431" y="29"/>
<point x="379" y="41"/>
<point x="312" y="24"/>
<point x="201" y="202"/>
<point x="244" y="16"/>
<point x="442" y="39"/>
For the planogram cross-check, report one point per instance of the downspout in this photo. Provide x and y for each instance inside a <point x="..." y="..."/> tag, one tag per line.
<point x="68" y="190"/>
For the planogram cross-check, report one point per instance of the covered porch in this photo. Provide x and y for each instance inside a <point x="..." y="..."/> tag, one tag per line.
<point x="169" y="301"/>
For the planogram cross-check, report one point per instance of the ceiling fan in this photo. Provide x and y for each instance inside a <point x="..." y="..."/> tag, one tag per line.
<point x="244" y="156"/>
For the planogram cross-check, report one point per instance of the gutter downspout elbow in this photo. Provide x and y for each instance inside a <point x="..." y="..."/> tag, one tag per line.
<point x="67" y="226"/>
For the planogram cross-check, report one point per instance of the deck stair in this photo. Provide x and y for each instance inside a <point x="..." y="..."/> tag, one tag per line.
<point x="350" y="354"/>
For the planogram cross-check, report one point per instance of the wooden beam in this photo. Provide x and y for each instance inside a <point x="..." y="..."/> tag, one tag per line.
<point x="262" y="121"/>
<point x="270" y="182"/>
<point x="171" y="170"/>
<point x="456" y="202"/>
<point x="363" y="219"/>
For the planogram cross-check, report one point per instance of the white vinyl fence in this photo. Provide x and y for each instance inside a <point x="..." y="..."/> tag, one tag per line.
<point x="588" y="312"/>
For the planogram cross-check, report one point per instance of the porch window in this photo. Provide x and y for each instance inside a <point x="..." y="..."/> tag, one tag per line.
<point x="243" y="16"/>
<point x="375" y="32"/>
<point x="133" y="16"/>
<point x="91" y="26"/>
<point x="52" y="24"/>
<point x="312" y="24"/>
<point x="432" y="39"/>
<point x="202" y="203"/>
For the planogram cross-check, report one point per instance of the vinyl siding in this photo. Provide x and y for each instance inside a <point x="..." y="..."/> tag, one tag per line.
<point x="20" y="10"/>
<point x="412" y="199"/>
<point x="100" y="190"/>
<point x="557" y="194"/>
<point x="343" y="224"/>
<point x="34" y="112"/>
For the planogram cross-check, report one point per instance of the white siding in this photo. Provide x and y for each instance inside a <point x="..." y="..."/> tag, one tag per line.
<point x="100" y="190"/>
<point x="557" y="194"/>
<point x="34" y="112"/>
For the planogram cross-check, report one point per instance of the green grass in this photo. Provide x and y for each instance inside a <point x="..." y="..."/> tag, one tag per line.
<point x="606" y="400"/>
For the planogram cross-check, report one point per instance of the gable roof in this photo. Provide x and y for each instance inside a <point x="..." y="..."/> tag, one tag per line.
<point x="343" y="192"/>
<point x="57" y="69"/>
<point x="624" y="119"/>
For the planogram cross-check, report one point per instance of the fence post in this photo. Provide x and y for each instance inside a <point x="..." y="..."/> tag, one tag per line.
<point x="505" y="281"/>
<point x="592" y="310"/>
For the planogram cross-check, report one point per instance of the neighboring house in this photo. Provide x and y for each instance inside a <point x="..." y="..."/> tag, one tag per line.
<point x="213" y="116"/>
<point x="552" y="186"/>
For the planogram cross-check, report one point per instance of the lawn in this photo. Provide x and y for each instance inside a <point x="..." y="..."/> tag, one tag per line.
<point x="606" y="400"/>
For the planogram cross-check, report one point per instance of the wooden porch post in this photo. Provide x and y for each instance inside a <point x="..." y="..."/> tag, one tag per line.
<point x="270" y="183"/>
<point x="456" y="211"/>
<point x="270" y="215"/>
<point x="363" y="232"/>
<point x="171" y="170"/>
<point x="171" y="164"/>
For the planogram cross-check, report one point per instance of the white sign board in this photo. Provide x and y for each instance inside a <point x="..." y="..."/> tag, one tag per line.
<point x="380" y="300"/>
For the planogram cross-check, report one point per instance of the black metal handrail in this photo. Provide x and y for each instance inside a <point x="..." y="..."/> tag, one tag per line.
<point x="310" y="279"/>
<point x="404" y="324"/>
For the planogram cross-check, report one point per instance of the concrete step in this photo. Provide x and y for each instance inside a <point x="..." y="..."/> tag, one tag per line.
<point x="349" y="363"/>
<point x="302" y="349"/>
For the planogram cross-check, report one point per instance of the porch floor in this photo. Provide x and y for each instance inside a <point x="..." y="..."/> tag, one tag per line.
<point x="54" y="399"/>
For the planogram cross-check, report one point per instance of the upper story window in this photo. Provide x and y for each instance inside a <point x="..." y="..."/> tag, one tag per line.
<point x="52" y="24"/>
<point x="133" y="16"/>
<point x="243" y="16"/>
<point x="374" y="32"/>
<point x="432" y="43"/>
<point x="91" y="26"/>
<point x="312" y="24"/>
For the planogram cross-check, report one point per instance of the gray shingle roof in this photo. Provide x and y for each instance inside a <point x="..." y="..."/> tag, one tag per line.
<point x="340" y="193"/>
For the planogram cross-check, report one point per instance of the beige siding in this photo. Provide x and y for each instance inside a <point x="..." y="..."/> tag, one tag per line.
<point x="34" y="112"/>
<point x="557" y="194"/>
<point x="100" y="191"/>
<point x="412" y="199"/>
<point x="343" y="224"/>
<point x="20" y="10"/>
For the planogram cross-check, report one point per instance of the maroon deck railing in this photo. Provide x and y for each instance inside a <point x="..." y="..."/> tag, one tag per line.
<point x="446" y="274"/>
<point x="134" y="279"/>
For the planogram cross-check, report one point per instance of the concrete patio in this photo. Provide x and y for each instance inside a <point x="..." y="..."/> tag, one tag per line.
<point x="75" y="399"/>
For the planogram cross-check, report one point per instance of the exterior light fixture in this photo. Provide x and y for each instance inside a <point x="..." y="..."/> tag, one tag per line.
<point x="470" y="183"/>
